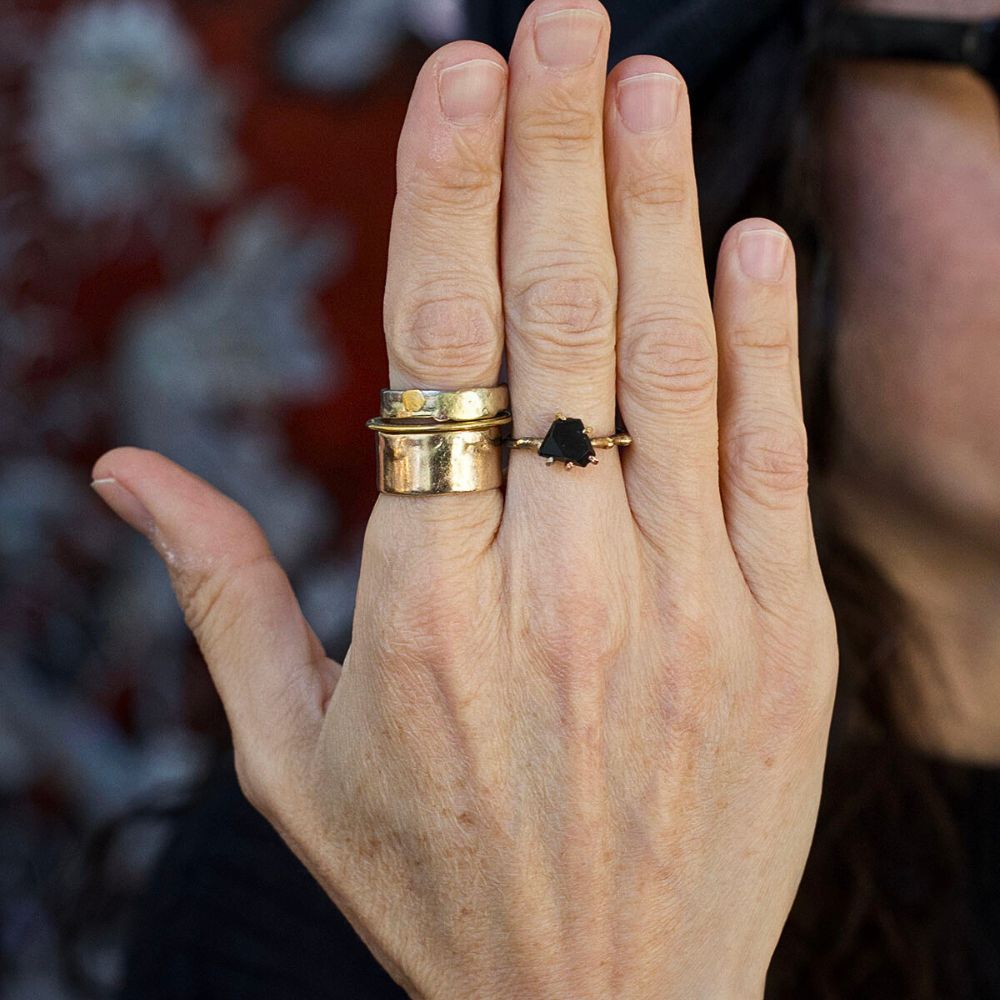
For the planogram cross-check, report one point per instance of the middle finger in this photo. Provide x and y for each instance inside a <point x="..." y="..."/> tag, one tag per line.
<point x="557" y="261"/>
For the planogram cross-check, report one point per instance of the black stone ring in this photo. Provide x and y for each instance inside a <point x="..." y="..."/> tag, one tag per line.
<point x="569" y="442"/>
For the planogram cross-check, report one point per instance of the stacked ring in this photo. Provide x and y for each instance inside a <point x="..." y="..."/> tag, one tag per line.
<point x="435" y="441"/>
<point x="444" y="405"/>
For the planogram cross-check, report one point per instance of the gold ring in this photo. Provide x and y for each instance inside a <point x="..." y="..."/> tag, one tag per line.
<point x="444" y="404"/>
<point x="440" y="461"/>
<point x="570" y="442"/>
<point x="434" y="441"/>
<point x="415" y="427"/>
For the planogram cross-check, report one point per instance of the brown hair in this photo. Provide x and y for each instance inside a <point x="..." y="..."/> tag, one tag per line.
<point x="880" y="911"/>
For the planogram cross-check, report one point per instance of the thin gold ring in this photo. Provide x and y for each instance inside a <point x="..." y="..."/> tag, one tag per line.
<point x="614" y="441"/>
<point x="416" y="427"/>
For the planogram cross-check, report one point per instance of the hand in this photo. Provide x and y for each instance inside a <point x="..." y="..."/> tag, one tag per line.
<point x="576" y="747"/>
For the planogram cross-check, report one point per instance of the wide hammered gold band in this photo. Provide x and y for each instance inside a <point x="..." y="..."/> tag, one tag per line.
<point x="442" y="461"/>
<point x="442" y="405"/>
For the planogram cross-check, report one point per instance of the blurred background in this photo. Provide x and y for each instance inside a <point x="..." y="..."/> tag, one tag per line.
<point x="194" y="209"/>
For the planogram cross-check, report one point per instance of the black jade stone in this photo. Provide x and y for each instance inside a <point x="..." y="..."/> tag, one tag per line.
<point x="567" y="441"/>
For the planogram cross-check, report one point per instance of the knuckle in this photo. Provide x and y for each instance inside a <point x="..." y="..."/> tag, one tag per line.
<point x="431" y="651"/>
<point x="579" y="632"/>
<point x="565" y="313"/>
<point x="795" y="683"/>
<point x="652" y="187"/>
<point x="464" y="531"/>
<point x="213" y="598"/>
<point x="790" y="712"/>
<point x="411" y="636"/>
<point x="798" y="696"/>
<point x="669" y="359"/>
<point x="251" y="783"/>
<point x="447" y="329"/>
<point x="468" y="179"/>
<point x="562" y="128"/>
<point x="770" y="464"/>
<point x="416" y="647"/>
<point x="763" y="346"/>
<point x="200" y="595"/>
<point x="444" y="555"/>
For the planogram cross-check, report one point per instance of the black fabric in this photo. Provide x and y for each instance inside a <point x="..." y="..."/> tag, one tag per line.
<point x="701" y="38"/>
<point x="978" y="806"/>
<point x="873" y="36"/>
<point x="744" y="63"/>
<point x="231" y="914"/>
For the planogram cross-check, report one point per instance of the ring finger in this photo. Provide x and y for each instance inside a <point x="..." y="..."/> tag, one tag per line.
<point x="442" y="315"/>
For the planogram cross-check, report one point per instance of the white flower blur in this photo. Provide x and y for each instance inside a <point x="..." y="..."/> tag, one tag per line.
<point x="122" y="115"/>
<point x="345" y="44"/>
<point x="205" y="368"/>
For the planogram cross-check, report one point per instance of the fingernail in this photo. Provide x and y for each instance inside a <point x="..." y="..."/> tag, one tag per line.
<point x="763" y="253"/>
<point x="470" y="91"/>
<point x="649" y="101"/>
<point x="125" y="504"/>
<point x="567" y="38"/>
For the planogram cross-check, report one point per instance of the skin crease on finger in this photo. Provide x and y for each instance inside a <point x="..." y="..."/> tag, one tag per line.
<point x="913" y="173"/>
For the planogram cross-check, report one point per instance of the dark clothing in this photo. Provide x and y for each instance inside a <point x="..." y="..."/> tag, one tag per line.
<point x="702" y="38"/>
<point x="232" y="915"/>
<point x="978" y="809"/>
<point x="744" y="62"/>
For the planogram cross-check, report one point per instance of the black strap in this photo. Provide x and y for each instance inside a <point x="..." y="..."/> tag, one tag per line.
<point x="884" y="36"/>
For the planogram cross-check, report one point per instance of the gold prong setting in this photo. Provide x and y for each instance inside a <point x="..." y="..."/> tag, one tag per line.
<point x="570" y="443"/>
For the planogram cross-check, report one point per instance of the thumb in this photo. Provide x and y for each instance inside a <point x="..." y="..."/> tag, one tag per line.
<point x="266" y="662"/>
